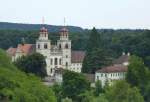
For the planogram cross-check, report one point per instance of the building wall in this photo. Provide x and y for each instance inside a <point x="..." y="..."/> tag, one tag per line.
<point x="40" y="47"/>
<point x="66" y="52"/>
<point x="76" y="67"/>
<point x="109" y="77"/>
<point x="53" y="61"/>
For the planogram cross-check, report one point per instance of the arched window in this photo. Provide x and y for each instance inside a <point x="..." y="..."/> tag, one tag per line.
<point x="45" y="46"/>
<point x="55" y="61"/>
<point x="66" y="46"/>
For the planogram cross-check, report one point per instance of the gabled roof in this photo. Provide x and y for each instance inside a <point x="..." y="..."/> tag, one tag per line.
<point x="21" y="48"/>
<point x="113" y="69"/>
<point x="26" y="48"/>
<point x="11" y="51"/>
<point x="122" y="59"/>
<point x="77" y="56"/>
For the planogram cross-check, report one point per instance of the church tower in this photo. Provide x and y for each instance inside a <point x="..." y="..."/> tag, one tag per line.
<point x="43" y="44"/>
<point x="64" y="44"/>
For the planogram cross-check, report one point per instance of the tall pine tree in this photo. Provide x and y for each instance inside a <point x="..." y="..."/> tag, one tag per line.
<point x="94" y="40"/>
<point x="96" y="57"/>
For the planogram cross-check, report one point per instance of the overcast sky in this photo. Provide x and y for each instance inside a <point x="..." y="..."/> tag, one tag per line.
<point x="85" y="13"/>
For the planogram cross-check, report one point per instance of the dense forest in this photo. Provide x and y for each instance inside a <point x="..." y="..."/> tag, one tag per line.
<point x="116" y="41"/>
<point x="21" y="26"/>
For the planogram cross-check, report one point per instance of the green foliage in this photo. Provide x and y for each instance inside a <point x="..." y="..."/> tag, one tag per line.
<point x="66" y="100"/>
<point x="98" y="88"/>
<point x="58" y="91"/>
<point x="122" y="92"/>
<point x="147" y="92"/>
<point x="94" y="41"/>
<point x="96" y="57"/>
<point x="101" y="98"/>
<point x="138" y="73"/>
<point x="87" y="96"/>
<point x="5" y="60"/>
<point x="95" y="60"/>
<point x="16" y="86"/>
<point x="74" y="84"/>
<point x="34" y="63"/>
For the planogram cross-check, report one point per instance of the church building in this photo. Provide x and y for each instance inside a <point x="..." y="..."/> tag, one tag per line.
<point x="57" y="56"/>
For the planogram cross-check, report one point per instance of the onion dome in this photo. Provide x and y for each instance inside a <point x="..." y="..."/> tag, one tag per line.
<point x="43" y="29"/>
<point x="64" y="30"/>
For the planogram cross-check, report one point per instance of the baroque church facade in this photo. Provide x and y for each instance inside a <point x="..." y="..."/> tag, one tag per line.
<point x="58" y="56"/>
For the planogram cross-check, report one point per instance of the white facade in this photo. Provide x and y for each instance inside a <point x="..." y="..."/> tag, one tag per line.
<point x="59" y="55"/>
<point x="110" y="74"/>
<point x="76" y="67"/>
<point x="109" y="77"/>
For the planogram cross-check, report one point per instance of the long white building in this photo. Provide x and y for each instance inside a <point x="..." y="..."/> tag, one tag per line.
<point x="56" y="56"/>
<point x="115" y="72"/>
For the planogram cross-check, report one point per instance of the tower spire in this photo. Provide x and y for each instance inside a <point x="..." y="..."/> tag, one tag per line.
<point x="43" y="21"/>
<point x="64" y="21"/>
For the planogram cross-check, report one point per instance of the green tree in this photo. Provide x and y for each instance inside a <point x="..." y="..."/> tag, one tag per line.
<point x="96" y="57"/>
<point x="101" y="98"/>
<point x="87" y="96"/>
<point x="94" y="40"/>
<point x="58" y="91"/>
<point x="34" y="63"/>
<point x="122" y="92"/>
<point x="98" y="88"/>
<point x="138" y="73"/>
<point x="147" y="93"/>
<point x="66" y="100"/>
<point x="74" y="84"/>
<point x="95" y="60"/>
<point x="16" y="86"/>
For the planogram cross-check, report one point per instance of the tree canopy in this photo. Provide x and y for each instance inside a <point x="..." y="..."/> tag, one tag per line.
<point x="16" y="86"/>
<point x="74" y="84"/>
<point x="34" y="63"/>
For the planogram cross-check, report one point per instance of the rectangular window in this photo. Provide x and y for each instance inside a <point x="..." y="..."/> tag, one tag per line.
<point x="97" y="77"/>
<point x="38" y="46"/>
<point x="45" y="46"/>
<point x="51" y="61"/>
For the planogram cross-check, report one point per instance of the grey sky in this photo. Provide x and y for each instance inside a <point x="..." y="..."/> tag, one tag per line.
<point x="84" y="13"/>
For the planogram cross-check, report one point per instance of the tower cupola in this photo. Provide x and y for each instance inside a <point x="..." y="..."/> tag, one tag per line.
<point x="64" y="34"/>
<point x="43" y="34"/>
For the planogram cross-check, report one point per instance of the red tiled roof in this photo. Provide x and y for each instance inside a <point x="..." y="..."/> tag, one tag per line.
<point x="11" y="51"/>
<point x="77" y="56"/>
<point x="26" y="48"/>
<point x="113" y="69"/>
